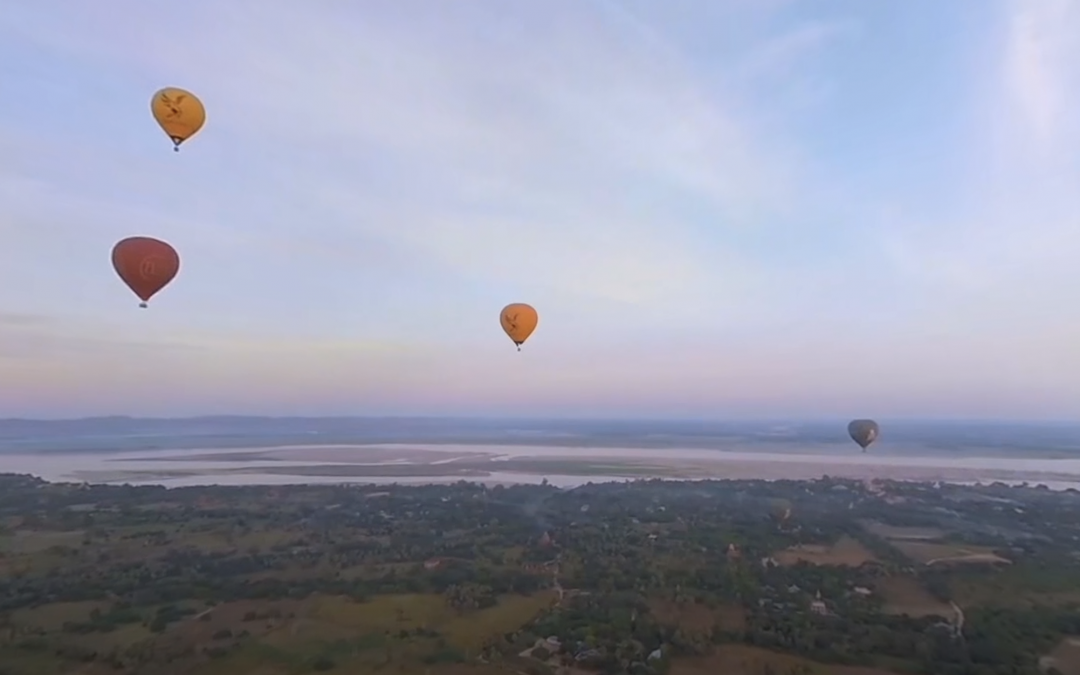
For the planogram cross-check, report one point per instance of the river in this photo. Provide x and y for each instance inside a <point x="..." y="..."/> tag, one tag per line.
<point x="286" y="465"/>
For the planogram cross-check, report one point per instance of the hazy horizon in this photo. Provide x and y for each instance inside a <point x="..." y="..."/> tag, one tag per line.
<point x="746" y="210"/>
<point x="926" y="437"/>
<point x="628" y="418"/>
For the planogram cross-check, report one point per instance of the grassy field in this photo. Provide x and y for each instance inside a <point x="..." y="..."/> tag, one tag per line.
<point x="1019" y="587"/>
<point x="217" y="540"/>
<point x="846" y="551"/>
<point x="396" y="612"/>
<point x="45" y="663"/>
<point x="29" y="542"/>
<point x="284" y="637"/>
<point x="51" y="617"/>
<point x="905" y="595"/>
<point x="745" y="660"/>
<point x="39" y="551"/>
<point x="236" y="616"/>
<point x="901" y="533"/>
<point x="358" y="636"/>
<point x="470" y="632"/>
<point x="935" y="553"/>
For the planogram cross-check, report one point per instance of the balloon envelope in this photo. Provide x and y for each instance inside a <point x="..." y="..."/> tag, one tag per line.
<point x="780" y="508"/>
<point x="180" y="113"/>
<point x="519" y="321"/>
<point x="863" y="432"/>
<point x="145" y="264"/>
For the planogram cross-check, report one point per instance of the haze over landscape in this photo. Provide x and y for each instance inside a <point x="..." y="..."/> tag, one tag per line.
<point x="563" y="337"/>
<point x="567" y="453"/>
<point x="725" y="210"/>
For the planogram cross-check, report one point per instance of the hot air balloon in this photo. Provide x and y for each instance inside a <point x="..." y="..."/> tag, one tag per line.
<point x="780" y="509"/>
<point x="519" y="321"/>
<point x="180" y="113"/>
<point x="145" y="264"/>
<point x="863" y="432"/>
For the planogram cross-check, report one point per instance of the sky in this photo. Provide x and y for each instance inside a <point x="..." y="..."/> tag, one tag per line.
<point x="719" y="208"/>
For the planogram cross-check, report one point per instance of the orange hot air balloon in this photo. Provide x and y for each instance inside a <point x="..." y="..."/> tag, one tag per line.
<point x="145" y="264"/>
<point x="519" y="321"/>
<point x="179" y="113"/>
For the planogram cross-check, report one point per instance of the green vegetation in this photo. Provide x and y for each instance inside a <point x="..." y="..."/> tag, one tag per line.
<point x="647" y="578"/>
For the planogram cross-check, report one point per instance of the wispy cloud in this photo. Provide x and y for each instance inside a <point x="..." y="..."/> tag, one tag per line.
<point x="1007" y="242"/>
<point x="1043" y="67"/>
<point x="778" y="55"/>
<point x="376" y="181"/>
<point x="547" y="130"/>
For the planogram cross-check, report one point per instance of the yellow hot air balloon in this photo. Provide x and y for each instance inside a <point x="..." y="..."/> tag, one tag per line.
<point x="519" y="321"/>
<point x="180" y="113"/>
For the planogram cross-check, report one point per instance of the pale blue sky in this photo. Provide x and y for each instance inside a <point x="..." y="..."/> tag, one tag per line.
<point x="720" y="208"/>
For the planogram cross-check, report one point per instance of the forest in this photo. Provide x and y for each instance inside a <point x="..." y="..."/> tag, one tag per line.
<point x="646" y="577"/>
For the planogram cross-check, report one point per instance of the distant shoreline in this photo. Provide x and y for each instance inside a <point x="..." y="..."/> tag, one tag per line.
<point x="516" y="463"/>
<point x="95" y="436"/>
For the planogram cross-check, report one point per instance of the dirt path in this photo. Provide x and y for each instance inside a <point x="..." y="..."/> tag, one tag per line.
<point x="958" y="624"/>
<point x="559" y="592"/>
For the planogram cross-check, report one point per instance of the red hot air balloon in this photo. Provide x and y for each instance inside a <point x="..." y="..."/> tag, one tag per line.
<point x="145" y="264"/>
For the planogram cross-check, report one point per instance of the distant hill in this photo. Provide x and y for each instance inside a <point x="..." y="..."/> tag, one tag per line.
<point x="99" y="434"/>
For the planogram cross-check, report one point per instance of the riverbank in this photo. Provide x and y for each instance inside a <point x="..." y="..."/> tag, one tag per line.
<point x="387" y="463"/>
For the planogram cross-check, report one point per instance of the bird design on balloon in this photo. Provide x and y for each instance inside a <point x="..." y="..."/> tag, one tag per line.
<point x="518" y="321"/>
<point x="179" y="113"/>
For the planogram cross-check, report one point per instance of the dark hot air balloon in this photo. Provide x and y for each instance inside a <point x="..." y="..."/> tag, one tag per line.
<point x="863" y="432"/>
<point x="145" y="264"/>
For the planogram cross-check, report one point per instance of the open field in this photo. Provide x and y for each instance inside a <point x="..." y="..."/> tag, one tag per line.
<point x="846" y="551"/>
<point x="24" y="541"/>
<point x="258" y="618"/>
<point x="284" y="635"/>
<point x="1019" y="587"/>
<point x="746" y="660"/>
<point x="900" y="533"/>
<point x="43" y="663"/>
<point x="394" y="613"/>
<point x="51" y="617"/>
<point x="1065" y="658"/>
<point x="933" y="553"/>
<point x="905" y="595"/>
